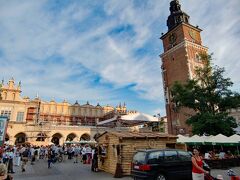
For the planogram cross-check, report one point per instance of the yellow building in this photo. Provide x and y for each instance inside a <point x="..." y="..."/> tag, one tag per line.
<point x="41" y="122"/>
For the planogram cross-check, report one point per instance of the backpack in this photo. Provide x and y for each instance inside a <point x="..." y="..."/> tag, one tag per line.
<point x="25" y="153"/>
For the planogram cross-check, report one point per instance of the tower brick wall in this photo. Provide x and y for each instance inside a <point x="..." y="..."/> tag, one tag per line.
<point x="182" y="46"/>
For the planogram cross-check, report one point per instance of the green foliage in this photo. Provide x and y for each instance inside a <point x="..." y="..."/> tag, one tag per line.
<point x="208" y="94"/>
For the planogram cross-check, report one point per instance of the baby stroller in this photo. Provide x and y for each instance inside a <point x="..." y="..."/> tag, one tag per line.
<point x="233" y="175"/>
<point x="207" y="168"/>
<point x="209" y="177"/>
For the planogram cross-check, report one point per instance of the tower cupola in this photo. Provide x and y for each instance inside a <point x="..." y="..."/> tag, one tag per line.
<point x="177" y="16"/>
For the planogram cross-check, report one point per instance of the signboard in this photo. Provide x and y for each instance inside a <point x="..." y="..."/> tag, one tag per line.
<point x="3" y="128"/>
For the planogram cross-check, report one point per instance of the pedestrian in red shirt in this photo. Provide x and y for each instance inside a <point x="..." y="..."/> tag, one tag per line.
<point x="197" y="166"/>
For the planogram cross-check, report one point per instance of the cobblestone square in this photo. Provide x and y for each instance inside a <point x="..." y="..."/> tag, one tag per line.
<point x="70" y="171"/>
<point x="60" y="171"/>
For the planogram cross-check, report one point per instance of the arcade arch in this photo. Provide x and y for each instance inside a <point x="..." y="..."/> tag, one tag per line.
<point x="71" y="137"/>
<point x="56" y="138"/>
<point x="85" y="137"/>
<point x="20" y="138"/>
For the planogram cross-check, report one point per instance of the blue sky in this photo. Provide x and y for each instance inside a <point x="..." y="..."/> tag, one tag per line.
<point x="105" y="51"/>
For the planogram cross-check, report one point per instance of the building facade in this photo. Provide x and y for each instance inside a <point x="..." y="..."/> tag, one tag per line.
<point x="182" y="48"/>
<point x="236" y="114"/>
<point x="40" y="122"/>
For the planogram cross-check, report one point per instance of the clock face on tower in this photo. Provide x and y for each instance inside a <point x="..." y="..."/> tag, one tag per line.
<point x="172" y="38"/>
<point x="192" y="34"/>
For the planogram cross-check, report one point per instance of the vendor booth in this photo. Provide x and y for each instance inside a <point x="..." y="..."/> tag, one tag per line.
<point x="220" y="152"/>
<point x="118" y="148"/>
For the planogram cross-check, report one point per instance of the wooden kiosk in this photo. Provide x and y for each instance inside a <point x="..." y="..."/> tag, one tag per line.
<point x="119" y="148"/>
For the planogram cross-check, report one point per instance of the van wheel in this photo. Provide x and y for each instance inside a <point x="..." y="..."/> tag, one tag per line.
<point x="161" y="177"/>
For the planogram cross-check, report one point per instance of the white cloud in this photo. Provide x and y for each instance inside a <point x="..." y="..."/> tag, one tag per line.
<point x="31" y="37"/>
<point x="220" y="23"/>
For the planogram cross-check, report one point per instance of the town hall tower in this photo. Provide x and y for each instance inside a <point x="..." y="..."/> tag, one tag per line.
<point x="182" y="48"/>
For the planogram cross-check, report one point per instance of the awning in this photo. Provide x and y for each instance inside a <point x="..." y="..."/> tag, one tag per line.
<point x="210" y="140"/>
<point x="221" y="140"/>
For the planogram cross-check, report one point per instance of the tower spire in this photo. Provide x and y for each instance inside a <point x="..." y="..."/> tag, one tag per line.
<point x="177" y="16"/>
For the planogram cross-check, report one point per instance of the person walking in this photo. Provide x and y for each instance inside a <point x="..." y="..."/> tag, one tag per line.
<point x="46" y="152"/>
<point x="17" y="157"/>
<point x="24" y="155"/>
<point x="76" y="153"/>
<point x="5" y="157"/>
<point x="10" y="161"/>
<point x="89" y="154"/>
<point x="94" y="167"/>
<point x="37" y="153"/>
<point x="84" y="156"/>
<point x="32" y="152"/>
<point x="49" y="156"/>
<point x="65" y="153"/>
<point x="197" y="166"/>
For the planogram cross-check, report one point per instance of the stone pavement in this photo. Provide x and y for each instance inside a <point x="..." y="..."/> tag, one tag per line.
<point x="60" y="171"/>
<point x="70" y="171"/>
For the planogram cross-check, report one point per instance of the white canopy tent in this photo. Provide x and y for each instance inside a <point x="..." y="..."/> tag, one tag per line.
<point x="129" y="120"/>
<point x="193" y="140"/>
<point x="220" y="139"/>
<point x="210" y="140"/>
<point x="235" y="137"/>
<point x="139" y="117"/>
<point x="182" y="139"/>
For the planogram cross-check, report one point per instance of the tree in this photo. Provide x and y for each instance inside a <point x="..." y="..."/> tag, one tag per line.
<point x="208" y="94"/>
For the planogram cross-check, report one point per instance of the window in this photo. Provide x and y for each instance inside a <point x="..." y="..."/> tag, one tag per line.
<point x="6" y="113"/>
<point x="41" y="137"/>
<point x="155" y="157"/>
<point x="139" y="157"/>
<point x="184" y="156"/>
<point x="198" y="57"/>
<point x="171" y="155"/>
<point x="20" y="116"/>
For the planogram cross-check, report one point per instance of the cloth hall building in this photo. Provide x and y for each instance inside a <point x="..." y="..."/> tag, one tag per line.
<point x="40" y="122"/>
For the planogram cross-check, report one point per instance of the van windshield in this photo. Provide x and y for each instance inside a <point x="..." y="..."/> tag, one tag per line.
<point x="139" y="158"/>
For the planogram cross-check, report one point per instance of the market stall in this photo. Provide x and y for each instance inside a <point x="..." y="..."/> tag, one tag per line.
<point x="119" y="148"/>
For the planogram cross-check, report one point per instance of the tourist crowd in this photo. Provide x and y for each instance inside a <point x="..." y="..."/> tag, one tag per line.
<point x="220" y="154"/>
<point x="22" y="155"/>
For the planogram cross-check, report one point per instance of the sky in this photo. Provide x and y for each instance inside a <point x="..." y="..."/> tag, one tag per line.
<point x="106" y="51"/>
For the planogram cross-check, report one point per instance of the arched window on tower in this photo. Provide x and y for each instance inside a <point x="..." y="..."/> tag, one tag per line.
<point x="197" y="57"/>
<point x="5" y="95"/>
